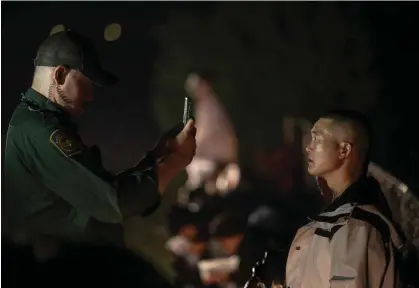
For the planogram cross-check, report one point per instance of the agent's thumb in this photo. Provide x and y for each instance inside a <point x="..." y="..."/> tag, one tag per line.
<point x="190" y="128"/>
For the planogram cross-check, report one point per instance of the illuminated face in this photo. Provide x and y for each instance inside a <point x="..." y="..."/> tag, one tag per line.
<point x="324" y="150"/>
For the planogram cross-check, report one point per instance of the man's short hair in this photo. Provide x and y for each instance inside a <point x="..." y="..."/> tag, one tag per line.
<point x="360" y="126"/>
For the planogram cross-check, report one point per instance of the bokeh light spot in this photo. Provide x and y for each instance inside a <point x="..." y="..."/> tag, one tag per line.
<point x="112" y="32"/>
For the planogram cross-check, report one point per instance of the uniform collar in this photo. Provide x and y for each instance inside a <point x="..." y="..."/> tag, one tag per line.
<point x="42" y="102"/>
<point x="361" y="192"/>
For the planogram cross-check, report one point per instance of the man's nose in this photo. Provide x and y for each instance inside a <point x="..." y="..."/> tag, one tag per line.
<point x="309" y="148"/>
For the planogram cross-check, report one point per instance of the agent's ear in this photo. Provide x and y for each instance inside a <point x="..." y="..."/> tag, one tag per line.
<point x="345" y="150"/>
<point x="59" y="75"/>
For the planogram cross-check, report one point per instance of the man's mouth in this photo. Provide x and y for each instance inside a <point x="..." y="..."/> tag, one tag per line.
<point x="309" y="160"/>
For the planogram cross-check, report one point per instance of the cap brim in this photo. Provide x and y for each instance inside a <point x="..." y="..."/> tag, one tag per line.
<point x="101" y="77"/>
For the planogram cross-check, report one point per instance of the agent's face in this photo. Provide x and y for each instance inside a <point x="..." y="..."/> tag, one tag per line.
<point x="73" y="89"/>
<point x="324" y="150"/>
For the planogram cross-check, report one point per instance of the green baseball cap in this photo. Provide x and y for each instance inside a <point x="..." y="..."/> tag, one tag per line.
<point x="71" y="49"/>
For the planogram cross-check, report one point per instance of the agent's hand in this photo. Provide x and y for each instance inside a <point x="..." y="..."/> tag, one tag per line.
<point x="161" y="149"/>
<point x="180" y="152"/>
<point x="183" y="146"/>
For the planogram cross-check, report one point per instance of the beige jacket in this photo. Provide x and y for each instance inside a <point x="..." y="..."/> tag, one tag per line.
<point x="351" y="246"/>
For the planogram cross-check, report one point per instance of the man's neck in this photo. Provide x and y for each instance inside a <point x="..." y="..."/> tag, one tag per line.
<point x="41" y="88"/>
<point x="340" y="180"/>
<point x="42" y="80"/>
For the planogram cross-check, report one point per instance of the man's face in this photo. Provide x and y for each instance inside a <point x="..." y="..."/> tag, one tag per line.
<point x="323" y="150"/>
<point x="74" y="92"/>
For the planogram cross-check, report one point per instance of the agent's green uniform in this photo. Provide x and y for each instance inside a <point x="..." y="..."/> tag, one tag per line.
<point x="55" y="185"/>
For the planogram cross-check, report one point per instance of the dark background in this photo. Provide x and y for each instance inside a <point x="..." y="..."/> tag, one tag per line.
<point x="122" y="119"/>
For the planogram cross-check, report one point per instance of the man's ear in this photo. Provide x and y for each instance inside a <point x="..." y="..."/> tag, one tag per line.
<point x="59" y="74"/>
<point x="345" y="150"/>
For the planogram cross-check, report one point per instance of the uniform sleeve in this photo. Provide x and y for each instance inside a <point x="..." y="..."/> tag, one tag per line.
<point x="359" y="260"/>
<point x="138" y="193"/>
<point x="67" y="168"/>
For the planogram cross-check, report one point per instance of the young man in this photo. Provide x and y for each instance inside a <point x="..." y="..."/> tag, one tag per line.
<point x="352" y="243"/>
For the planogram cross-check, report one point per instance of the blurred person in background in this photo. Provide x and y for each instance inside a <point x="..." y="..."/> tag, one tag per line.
<point x="214" y="166"/>
<point x="186" y="267"/>
<point x="189" y="244"/>
<point x="235" y="238"/>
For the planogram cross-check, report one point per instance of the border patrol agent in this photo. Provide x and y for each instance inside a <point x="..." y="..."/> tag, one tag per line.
<point x="57" y="187"/>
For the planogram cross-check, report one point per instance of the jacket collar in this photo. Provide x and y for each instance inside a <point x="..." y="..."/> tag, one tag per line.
<point x="361" y="192"/>
<point x="37" y="101"/>
<point x="33" y="97"/>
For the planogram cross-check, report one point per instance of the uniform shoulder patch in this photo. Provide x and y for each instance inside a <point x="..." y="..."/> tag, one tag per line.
<point x="67" y="143"/>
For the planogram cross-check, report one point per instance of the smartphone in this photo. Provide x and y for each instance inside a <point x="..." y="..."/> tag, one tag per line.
<point x="187" y="110"/>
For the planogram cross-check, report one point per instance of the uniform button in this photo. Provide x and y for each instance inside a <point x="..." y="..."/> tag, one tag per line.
<point x="297" y="248"/>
